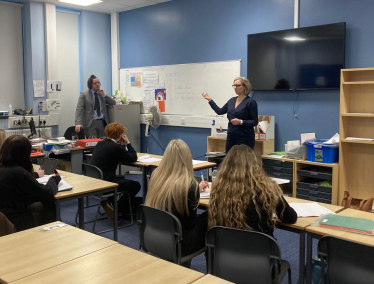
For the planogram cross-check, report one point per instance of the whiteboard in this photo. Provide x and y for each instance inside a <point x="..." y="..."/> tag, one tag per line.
<point x="184" y="84"/>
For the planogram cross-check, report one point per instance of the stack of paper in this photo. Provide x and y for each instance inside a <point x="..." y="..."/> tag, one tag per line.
<point x="312" y="209"/>
<point x="196" y="162"/>
<point x="147" y="159"/>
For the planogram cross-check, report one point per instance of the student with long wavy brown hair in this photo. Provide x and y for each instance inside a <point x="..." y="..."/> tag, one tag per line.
<point x="173" y="188"/>
<point x="244" y="197"/>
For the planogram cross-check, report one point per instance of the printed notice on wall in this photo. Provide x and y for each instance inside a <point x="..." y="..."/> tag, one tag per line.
<point x="53" y="104"/>
<point x="136" y="79"/>
<point x="148" y="99"/>
<point x="160" y="98"/>
<point x="39" y="90"/>
<point x="54" y="86"/>
<point x="150" y="79"/>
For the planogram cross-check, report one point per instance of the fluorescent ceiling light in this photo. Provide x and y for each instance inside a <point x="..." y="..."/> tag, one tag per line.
<point x="294" y="38"/>
<point x="81" y="2"/>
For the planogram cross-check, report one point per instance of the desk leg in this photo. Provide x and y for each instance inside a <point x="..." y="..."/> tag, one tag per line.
<point x="145" y="183"/>
<point x="76" y="161"/>
<point x="302" y="257"/>
<point x="309" y="246"/>
<point x="58" y="210"/>
<point x="115" y="230"/>
<point x="81" y="212"/>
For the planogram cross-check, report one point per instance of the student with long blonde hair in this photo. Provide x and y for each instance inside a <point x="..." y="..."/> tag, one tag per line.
<point x="2" y="137"/>
<point x="173" y="188"/>
<point x="244" y="197"/>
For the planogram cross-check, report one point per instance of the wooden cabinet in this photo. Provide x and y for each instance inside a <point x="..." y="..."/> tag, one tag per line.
<point x="356" y="157"/>
<point x="217" y="144"/>
<point x="304" y="177"/>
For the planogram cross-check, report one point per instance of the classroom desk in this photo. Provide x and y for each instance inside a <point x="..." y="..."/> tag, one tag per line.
<point x="318" y="232"/>
<point x="211" y="279"/>
<point x="31" y="251"/>
<point x="115" y="264"/>
<point x="76" y="155"/>
<point x="299" y="227"/>
<point x="147" y="168"/>
<point x="84" y="186"/>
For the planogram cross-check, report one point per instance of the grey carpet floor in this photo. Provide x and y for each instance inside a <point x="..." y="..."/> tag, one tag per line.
<point x="129" y="236"/>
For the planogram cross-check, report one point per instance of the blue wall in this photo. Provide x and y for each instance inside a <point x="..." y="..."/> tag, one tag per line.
<point x="95" y="49"/>
<point x="188" y="31"/>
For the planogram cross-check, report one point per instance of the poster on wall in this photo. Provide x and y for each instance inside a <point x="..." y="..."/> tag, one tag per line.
<point x="160" y="98"/>
<point x="38" y="88"/>
<point x="54" y="86"/>
<point x="136" y="79"/>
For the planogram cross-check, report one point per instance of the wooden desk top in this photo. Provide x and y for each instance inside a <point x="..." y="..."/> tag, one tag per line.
<point x="367" y="240"/>
<point x="301" y="223"/>
<point x="211" y="279"/>
<point x="25" y="253"/>
<point x="115" y="264"/>
<point x="81" y="184"/>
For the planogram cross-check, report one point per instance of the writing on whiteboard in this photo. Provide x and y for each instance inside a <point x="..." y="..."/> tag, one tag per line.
<point x="174" y="74"/>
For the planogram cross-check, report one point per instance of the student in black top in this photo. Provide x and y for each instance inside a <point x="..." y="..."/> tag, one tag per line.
<point x="244" y="197"/>
<point x="106" y="156"/>
<point x="241" y="113"/>
<point x="23" y="200"/>
<point x="173" y="188"/>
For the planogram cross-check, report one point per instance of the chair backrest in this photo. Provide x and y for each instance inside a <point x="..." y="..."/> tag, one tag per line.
<point x="92" y="171"/>
<point x="347" y="262"/>
<point x="160" y="233"/>
<point x="6" y="227"/>
<point x="242" y="256"/>
<point x="71" y="131"/>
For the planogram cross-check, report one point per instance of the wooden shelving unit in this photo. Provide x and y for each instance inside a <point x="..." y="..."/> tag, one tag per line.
<point x="356" y="157"/>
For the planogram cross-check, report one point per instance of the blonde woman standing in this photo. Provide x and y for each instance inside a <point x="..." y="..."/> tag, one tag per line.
<point x="244" y="197"/>
<point x="241" y="113"/>
<point x="172" y="188"/>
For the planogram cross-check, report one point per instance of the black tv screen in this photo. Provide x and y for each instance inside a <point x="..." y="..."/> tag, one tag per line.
<point x="297" y="59"/>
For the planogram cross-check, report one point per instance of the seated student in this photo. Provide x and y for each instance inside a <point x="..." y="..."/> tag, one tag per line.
<point x="23" y="200"/>
<point x="173" y="188"/>
<point x="106" y="156"/>
<point x="244" y="197"/>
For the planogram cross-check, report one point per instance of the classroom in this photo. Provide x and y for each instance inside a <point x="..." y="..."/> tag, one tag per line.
<point x="50" y="40"/>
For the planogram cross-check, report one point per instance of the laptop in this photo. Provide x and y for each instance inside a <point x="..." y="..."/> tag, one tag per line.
<point x="49" y="166"/>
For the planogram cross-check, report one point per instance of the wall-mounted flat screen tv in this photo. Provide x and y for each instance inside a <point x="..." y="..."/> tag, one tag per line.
<point x="297" y="59"/>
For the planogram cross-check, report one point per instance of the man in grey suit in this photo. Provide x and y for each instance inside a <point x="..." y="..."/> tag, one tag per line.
<point x="91" y="113"/>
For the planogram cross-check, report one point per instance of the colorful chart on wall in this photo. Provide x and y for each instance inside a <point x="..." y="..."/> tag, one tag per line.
<point x="177" y="89"/>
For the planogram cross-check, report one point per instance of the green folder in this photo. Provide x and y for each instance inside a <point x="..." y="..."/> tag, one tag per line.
<point x="351" y="224"/>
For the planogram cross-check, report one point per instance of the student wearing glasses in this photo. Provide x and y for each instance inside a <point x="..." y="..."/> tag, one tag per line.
<point x="241" y="113"/>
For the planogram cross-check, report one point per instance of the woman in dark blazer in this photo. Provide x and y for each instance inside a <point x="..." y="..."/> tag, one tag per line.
<point x="241" y="113"/>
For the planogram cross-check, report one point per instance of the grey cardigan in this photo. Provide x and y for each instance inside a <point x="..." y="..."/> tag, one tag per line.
<point x="85" y="108"/>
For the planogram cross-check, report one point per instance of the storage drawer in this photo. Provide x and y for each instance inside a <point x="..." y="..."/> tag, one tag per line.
<point x="281" y="175"/>
<point x="279" y="169"/>
<point x="312" y="184"/>
<point x="276" y="163"/>
<point x="315" y="199"/>
<point x="314" y="193"/>
<point x="313" y="172"/>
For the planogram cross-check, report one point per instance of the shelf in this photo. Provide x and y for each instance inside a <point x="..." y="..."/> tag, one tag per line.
<point x="316" y="163"/>
<point x="357" y="142"/>
<point x="359" y="83"/>
<point x="357" y="114"/>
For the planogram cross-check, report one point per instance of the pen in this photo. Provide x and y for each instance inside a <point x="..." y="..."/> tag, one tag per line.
<point x="202" y="176"/>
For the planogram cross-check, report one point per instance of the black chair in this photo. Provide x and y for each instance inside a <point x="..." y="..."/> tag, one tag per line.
<point x="71" y="131"/>
<point x="95" y="172"/>
<point x="347" y="262"/>
<point x="160" y="234"/>
<point x="242" y="256"/>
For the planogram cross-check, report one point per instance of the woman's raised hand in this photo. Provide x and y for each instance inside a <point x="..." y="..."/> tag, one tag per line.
<point x="206" y="96"/>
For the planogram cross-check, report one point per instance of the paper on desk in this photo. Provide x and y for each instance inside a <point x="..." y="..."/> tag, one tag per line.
<point x="148" y="159"/>
<point x="312" y="209"/>
<point x="56" y="226"/>
<point x="280" y="180"/>
<point x="205" y="194"/>
<point x="196" y="162"/>
<point x="307" y="136"/>
<point x="62" y="185"/>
